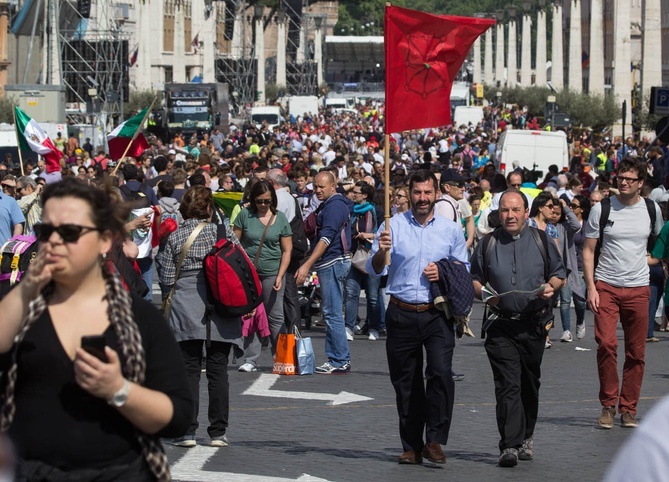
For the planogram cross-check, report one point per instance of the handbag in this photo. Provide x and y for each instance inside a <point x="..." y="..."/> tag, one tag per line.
<point x="285" y="359"/>
<point x="167" y="302"/>
<point x="306" y="359"/>
<point x="360" y="257"/>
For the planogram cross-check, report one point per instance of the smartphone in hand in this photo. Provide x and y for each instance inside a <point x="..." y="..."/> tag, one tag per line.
<point x="95" y="345"/>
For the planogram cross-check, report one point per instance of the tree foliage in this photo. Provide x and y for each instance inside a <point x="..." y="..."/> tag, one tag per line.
<point x="6" y="108"/>
<point x="141" y="99"/>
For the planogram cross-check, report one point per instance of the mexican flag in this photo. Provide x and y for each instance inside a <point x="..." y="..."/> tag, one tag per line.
<point x="120" y="138"/>
<point x="32" y="137"/>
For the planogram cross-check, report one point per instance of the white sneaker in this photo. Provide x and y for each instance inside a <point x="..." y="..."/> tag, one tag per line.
<point x="247" y="367"/>
<point x="373" y="335"/>
<point x="566" y="336"/>
<point x="580" y="331"/>
<point x="349" y="334"/>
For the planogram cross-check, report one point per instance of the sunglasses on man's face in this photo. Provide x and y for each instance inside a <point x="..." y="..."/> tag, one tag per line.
<point x="70" y="233"/>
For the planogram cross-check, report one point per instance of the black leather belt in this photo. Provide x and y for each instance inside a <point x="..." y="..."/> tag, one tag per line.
<point x="419" y="308"/>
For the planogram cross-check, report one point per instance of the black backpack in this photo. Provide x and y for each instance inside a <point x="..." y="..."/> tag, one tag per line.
<point x="604" y="219"/>
<point x="139" y="199"/>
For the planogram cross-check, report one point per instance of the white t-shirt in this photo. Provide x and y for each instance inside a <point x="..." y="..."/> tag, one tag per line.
<point x="622" y="260"/>
<point x="142" y="237"/>
<point x="448" y="207"/>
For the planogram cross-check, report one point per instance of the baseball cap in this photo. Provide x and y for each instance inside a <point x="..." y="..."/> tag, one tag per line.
<point x="451" y="176"/>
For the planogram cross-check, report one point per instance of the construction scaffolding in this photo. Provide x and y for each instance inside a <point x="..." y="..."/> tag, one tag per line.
<point x="238" y="65"/>
<point x="94" y="55"/>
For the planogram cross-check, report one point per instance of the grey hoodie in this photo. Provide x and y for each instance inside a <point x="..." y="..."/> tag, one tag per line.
<point x="170" y="209"/>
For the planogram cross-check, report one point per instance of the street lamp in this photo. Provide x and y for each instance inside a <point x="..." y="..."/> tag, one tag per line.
<point x="512" y="12"/>
<point x="280" y="15"/>
<point x="318" y="21"/>
<point x="541" y="3"/>
<point x="258" y="11"/>
<point x="500" y="15"/>
<point x="498" y="94"/>
<point x="551" y="103"/>
<point x="527" y="5"/>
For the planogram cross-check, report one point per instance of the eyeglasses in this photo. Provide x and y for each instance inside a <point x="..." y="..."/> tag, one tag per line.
<point x="70" y="233"/>
<point x="262" y="202"/>
<point x="400" y="195"/>
<point x="459" y="185"/>
<point x="574" y="206"/>
<point x="356" y="192"/>
<point x="628" y="180"/>
<point x="549" y="206"/>
<point x="517" y="186"/>
<point x="7" y="186"/>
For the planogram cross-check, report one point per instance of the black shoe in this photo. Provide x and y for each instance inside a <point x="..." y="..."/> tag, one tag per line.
<point x="508" y="458"/>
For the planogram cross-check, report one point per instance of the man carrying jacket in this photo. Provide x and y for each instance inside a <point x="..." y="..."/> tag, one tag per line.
<point x="331" y="259"/>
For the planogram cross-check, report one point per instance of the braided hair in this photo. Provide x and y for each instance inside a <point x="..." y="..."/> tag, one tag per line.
<point x="121" y="318"/>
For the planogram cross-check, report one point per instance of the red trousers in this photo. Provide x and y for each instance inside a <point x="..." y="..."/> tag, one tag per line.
<point x="631" y="306"/>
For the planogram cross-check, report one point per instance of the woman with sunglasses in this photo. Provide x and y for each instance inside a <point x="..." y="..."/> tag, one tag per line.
<point x="94" y="413"/>
<point x="192" y="322"/>
<point x="265" y="235"/>
<point x="567" y="223"/>
<point x="400" y="200"/>
<point x="541" y="215"/>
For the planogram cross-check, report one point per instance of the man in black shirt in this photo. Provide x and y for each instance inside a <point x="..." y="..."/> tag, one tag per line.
<point x="518" y="259"/>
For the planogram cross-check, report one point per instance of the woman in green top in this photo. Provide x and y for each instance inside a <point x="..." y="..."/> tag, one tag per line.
<point x="266" y="237"/>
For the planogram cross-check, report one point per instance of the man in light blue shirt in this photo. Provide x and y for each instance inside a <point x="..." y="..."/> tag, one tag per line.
<point x="11" y="218"/>
<point x="416" y="240"/>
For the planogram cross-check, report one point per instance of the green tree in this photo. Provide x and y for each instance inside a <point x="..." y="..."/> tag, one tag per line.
<point x="6" y="110"/>
<point x="141" y="99"/>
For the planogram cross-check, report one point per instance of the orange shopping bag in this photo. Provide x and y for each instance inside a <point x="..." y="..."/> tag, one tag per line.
<point x="285" y="360"/>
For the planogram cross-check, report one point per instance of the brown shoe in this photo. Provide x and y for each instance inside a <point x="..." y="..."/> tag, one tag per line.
<point x="432" y="452"/>
<point x="628" y="420"/>
<point x="606" y="418"/>
<point x="410" y="457"/>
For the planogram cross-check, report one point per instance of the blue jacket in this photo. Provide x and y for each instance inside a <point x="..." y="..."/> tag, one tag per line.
<point x="332" y="219"/>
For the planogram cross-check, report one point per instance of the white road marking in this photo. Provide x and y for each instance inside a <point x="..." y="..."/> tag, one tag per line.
<point x="189" y="468"/>
<point x="261" y="388"/>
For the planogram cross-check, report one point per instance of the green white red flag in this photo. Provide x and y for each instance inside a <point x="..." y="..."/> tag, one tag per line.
<point x="32" y="137"/>
<point x="122" y="137"/>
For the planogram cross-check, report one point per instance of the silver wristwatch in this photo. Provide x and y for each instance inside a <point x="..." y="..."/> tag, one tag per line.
<point x="121" y="396"/>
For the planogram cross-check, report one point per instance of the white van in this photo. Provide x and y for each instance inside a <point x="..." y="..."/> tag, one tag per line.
<point x="271" y="114"/>
<point x="534" y="150"/>
<point x="336" y="102"/>
<point x="467" y="114"/>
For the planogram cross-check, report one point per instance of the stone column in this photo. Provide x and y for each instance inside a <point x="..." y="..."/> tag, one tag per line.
<point x="596" y="76"/>
<point x="318" y="51"/>
<point x="237" y="41"/>
<point x="302" y="48"/>
<point x="476" y="76"/>
<point x="208" y="37"/>
<point x="54" y="74"/>
<point x="260" y="57"/>
<point x="557" y="56"/>
<point x="4" y="61"/>
<point x="512" y="56"/>
<point x="487" y="65"/>
<point x="526" y="48"/>
<point x="499" y="50"/>
<point x="540" y="59"/>
<point x="575" y="48"/>
<point x="651" y="66"/>
<point x="622" y="76"/>
<point x="281" y="49"/>
<point x="144" y="41"/>
<point x="179" y="61"/>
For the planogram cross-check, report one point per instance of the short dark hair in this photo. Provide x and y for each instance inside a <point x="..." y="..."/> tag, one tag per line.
<point x="367" y="190"/>
<point x="130" y="172"/>
<point x="160" y="163"/>
<point x="633" y="164"/>
<point x="423" y="175"/>
<point x="165" y="188"/>
<point x="197" y="180"/>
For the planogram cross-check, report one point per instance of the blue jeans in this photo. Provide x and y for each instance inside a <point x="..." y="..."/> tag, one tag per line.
<point x="146" y="269"/>
<point x="355" y="281"/>
<point x="656" y="290"/>
<point x="566" y="295"/>
<point x="331" y="280"/>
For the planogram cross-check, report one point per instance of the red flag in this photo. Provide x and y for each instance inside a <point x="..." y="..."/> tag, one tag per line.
<point x="423" y="55"/>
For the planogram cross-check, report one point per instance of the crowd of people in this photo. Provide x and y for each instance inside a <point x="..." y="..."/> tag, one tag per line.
<point x="320" y="181"/>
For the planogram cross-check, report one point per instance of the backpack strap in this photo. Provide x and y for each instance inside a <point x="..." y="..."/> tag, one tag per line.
<point x="541" y="238"/>
<point x="262" y="240"/>
<point x="603" y="219"/>
<point x="487" y="248"/>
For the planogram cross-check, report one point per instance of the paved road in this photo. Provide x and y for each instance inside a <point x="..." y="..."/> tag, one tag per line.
<point x="286" y="438"/>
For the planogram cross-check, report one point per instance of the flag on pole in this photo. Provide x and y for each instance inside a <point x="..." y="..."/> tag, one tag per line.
<point x="122" y="136"/>
<point x="133" y="58"/>
<point x="424" y="53"/>
<point x="196" y="43"/>
<point x="32" y="137"/>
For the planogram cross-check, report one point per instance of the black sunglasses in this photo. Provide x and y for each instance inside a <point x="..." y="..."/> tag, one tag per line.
<point x="69" y="232"/>
<point x="263" y="201"/>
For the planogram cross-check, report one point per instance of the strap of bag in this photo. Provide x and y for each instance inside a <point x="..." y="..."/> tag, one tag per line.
<point x="262" y="241"/>
<point x="189" y="242"/>
<point x="542" y="244"/>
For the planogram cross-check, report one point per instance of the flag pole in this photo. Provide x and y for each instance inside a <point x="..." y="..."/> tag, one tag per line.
<point x="386" y="174"/>
<point x="18" y="140"/>
<point x="134" y="136"/>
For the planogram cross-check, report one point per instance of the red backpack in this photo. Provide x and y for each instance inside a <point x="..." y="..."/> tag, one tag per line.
<point x="233" y="281"/>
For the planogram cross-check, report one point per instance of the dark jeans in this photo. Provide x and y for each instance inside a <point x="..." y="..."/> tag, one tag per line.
<point x="291" y="307"/>
<point x="217" y="378"/>
<point x="656" y="289"/>
<point x="146" y="269"/>
<point x="515" y="350"/>
<point x="421" y="406"/>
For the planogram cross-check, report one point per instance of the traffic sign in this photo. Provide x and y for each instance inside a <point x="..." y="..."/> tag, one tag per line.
<point x="659" y="100"/>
